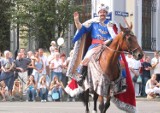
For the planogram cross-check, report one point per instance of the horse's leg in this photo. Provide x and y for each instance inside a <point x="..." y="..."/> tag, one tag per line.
<point x="107" y="104"/>
<point x="84" y="97"/>
<point x="87" y="100"/>
<point x="101" y="105"/>
<point x="95" y="102"/>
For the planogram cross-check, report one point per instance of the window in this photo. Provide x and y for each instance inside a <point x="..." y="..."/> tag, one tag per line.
<point x="146" y="25"/>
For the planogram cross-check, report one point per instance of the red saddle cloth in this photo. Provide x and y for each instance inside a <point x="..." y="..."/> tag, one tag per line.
<point x="127" y="98"/>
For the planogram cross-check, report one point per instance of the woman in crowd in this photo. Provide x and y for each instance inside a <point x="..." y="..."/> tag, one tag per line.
<point x="3" y="90"/>
<point x="56" y="86"/>
<point x="31" y="87"/>
<point x="56" y="66"/>
<point x="152" y="87"/>
<point x="17" y="89"/>
<point x="38" y="66"/>
<point x="43" y="87"/>
<point x="64" y="69"/>
<point x="8" y="71"/>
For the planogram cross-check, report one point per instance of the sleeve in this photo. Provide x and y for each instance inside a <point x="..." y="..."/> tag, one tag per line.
<point x="86" y="27"/>
<point x="113" y="29"/>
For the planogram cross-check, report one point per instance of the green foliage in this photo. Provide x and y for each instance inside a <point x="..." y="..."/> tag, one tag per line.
<point x="46" y="19"/>
<point x="4" y="24"/>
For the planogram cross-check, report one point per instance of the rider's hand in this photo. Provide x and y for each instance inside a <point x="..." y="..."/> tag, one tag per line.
<point x="76" y="16"/>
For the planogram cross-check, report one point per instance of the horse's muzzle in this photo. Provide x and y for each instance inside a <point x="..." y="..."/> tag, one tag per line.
<point x="138" y="55"/>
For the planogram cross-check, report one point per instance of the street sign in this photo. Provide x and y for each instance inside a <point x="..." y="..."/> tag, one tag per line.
<point x="120" y="13"/>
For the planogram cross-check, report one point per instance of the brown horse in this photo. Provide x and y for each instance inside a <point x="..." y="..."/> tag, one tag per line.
<point x="108" y="60"/>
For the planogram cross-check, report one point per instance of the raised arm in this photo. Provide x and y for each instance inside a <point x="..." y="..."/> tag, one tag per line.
<point x="76" y="20"/>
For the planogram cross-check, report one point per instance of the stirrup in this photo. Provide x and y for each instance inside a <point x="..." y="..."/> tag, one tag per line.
<point x="80" y="80"/>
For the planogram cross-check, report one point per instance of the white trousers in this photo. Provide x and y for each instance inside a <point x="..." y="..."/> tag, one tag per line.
<point x="155" y="90"/>
<point x="89" y="54"/>
<point x="136" y="86"/>
<point x="23" y="78"/>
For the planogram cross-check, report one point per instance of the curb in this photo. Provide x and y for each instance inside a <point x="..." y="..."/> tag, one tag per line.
<point x="145" y="99"/>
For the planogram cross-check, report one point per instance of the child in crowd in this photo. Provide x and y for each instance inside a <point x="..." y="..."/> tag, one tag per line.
<point x="17" y="89"/>
<point x="3" y="90"/>
<point x="43" y="87"/>
<point x="31" y="88"/>
<point x="152" y="87"/>
<point x="56" y="86"/>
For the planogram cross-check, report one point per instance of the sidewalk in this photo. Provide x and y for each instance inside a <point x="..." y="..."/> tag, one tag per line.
<point x="145" y="99"/>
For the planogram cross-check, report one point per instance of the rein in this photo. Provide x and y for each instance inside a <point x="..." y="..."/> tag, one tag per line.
<point x="126" y="52"/>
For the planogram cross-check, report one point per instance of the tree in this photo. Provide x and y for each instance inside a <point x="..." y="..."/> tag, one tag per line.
<point x="43" y="18"/>
<point x="5" y="25"/>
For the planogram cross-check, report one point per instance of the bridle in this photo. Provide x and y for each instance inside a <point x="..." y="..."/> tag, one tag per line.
<point x="129" y="50"/>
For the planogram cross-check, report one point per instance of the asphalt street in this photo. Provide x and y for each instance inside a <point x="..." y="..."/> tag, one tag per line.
<point x="143" y="106"/>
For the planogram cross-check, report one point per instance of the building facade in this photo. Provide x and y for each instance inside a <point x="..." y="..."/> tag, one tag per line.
<point x="144" y="14"/>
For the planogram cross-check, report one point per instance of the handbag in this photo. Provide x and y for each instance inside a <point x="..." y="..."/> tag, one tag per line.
<point x="139" y="79"/>
<point x="55" y="95"/>
<point x="134" y="79"/>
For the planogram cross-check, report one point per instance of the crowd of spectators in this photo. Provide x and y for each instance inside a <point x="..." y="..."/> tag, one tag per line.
<point x="37" y="75"/>
<point x="33" y="75"/>
<point x="147" y="74"/>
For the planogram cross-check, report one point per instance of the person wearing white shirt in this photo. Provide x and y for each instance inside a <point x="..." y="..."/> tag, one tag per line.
<point x="56" y="66"/>
<point x="156" y="65"/>
<point x="46" y="70"/>
<point x="152" y="87"/>
<point x="43" y="87"/>
<point x="134" y="66"/>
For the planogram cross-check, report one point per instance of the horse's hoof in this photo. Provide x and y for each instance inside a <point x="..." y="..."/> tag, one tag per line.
<point x="87" y="112"/>
<point x="94" y="111"/>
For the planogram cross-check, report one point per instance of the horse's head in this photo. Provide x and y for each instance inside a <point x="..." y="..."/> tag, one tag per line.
<point x="130" y="44"/>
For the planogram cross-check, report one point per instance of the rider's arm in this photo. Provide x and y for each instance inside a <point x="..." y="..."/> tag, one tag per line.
<point x="76" y="20"/>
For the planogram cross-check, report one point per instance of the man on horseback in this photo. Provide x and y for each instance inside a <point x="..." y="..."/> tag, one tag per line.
<point x="102" y="32"/>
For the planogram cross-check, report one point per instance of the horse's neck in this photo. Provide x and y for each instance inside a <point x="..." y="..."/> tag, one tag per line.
<point x="110" y="56"/>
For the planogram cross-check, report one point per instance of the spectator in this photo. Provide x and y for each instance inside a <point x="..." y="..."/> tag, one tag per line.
<point x="56" y="86"/>
<point x="17" y="89"/>
<point x="38" y="66"/>
<point x="22" y="50"/>
<point x="152" y="87"/>
<point x="31" y="88"/>
<point x="135" y="67"/>
<point x="64" y="69"/>
<point x="8" y="71"/>
<point x="156" y="64"/>
<point x="30" y="67"/>
<point x="46" y="70"/>
<point x="43" y="87"/>
<point x="52" y="47"/>
<point x="3" y="90"/>
<point x="21" y="67"/>
<point x="146" y="67"/>
<point x="56" y="66"/>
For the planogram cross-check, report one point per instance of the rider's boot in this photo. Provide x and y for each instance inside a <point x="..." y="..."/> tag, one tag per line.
<point x="82" y="71"/>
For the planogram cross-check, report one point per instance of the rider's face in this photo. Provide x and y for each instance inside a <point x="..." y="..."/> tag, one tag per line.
<point x="102" y="14"/>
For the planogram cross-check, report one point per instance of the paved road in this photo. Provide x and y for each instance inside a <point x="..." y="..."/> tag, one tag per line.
<point x="69" y="107"/>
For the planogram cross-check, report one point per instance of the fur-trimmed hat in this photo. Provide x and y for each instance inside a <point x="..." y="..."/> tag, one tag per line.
<point x="102" y="7"/>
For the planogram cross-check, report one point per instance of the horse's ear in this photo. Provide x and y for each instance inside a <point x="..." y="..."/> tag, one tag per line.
<point x="121" y="27"/>
<point x="130" y="27"/>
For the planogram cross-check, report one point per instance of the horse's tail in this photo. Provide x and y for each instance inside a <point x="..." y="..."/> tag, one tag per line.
<point x="84" y="97"/>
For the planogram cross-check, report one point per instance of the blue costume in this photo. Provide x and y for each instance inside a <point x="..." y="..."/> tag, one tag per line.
<point x="98" y="31"/>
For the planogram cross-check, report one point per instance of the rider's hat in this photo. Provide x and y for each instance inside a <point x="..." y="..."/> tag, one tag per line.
<point x="103" y="7"/>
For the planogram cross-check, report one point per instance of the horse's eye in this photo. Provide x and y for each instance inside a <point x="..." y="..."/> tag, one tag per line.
<point x="128" y="37"/>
